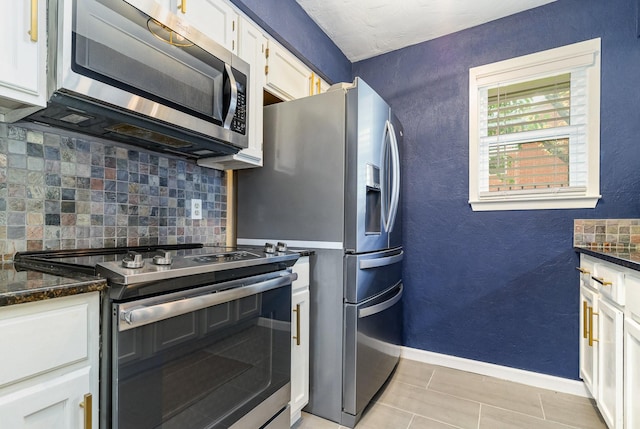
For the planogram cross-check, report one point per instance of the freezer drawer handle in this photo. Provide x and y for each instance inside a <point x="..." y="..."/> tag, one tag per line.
<point x="143" y="315"/>
<point x="379" y="308"/>
<point x="381" y="262"/>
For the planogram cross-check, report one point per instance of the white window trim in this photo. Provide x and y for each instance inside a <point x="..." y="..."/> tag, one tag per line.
<point x="556" y="60"/>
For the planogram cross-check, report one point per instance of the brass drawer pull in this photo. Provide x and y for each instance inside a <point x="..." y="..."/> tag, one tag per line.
<point x="33" y="32"/>
<point x="297" y="336"/>
<point x="582" y="270"/>
<point x="87" y="404"/>
<point x="585" y="321"/>
<point x="591" y="314"/>
<point x="602" y="281"/>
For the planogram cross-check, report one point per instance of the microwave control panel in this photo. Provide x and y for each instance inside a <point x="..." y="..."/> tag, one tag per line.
<point x="239" y="122"/>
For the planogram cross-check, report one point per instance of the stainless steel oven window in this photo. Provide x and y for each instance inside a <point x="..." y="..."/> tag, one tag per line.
<point x="204" y="368"/>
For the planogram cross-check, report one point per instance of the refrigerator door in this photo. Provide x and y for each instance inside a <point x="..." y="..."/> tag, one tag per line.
<point x="367" y="140"/>
<point x="369" y="274"/>
<point x="373" y="335"/>
<point x="298" y="195"/>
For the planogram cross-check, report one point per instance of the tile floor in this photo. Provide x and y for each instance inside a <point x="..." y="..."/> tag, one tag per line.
<point x="421" y="396"/>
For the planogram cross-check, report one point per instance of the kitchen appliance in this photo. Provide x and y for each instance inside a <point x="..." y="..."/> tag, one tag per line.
<point x="192" y="336"/>
<point x="331" y="182"/>
<point x="136" y="73"/>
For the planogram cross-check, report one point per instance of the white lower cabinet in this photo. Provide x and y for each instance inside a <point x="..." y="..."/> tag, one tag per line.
<point x="300" y="339"/>
<point x="588" y="347"/>
<point x="632" y="373"/>
<point x="610" y="363"/>
<point x="610" y="339"/>
<point x="49" y="363"/>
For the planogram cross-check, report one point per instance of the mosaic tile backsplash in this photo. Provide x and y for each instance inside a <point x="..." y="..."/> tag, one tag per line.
<point x="61" y="191"/>
<point x="620" y="234"/>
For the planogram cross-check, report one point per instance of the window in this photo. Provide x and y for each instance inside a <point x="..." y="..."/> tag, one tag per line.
<point x="534" y="130"/>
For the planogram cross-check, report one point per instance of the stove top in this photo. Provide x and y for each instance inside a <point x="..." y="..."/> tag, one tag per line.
<point x="145" y="268"/>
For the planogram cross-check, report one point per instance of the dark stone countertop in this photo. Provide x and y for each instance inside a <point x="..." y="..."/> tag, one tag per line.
<point x="18" y="287"/>
<point x="625" y="258"/>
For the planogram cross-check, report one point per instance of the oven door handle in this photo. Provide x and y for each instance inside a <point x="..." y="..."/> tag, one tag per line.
<point x="144" y="315"/>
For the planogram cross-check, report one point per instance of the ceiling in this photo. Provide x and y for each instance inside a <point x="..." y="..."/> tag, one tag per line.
<point x="366" y="28"/>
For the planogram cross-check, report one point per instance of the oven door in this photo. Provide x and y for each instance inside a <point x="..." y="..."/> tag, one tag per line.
<point x="203" y="358"/>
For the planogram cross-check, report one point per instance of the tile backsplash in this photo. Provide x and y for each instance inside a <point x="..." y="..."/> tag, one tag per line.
<point x="621" y="234"/>
<point x="61" y="191"/>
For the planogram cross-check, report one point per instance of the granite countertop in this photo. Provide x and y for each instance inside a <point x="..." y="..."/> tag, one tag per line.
<point x="625" y="258"/>
<point x="17" y="287"/>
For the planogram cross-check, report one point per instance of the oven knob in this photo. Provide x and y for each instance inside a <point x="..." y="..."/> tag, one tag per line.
<point x="269" y="248"/>
<point x="281" y="247"/>
<point x="162" y="257"/>
<point x="133" y="260"/>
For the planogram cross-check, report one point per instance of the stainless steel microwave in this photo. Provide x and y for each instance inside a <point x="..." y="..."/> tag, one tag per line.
<point x="135" y="72"/>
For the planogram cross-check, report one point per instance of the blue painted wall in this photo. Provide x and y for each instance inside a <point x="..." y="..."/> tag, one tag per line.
<point x="290" y="25"/>
<point x="501" y="287"/>
<point x="498" y="287"/>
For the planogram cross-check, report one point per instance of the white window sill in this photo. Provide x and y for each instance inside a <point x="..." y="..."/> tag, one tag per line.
<point x="543" y="202"/>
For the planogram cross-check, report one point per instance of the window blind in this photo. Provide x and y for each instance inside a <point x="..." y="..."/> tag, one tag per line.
<point x="532" y="135"/>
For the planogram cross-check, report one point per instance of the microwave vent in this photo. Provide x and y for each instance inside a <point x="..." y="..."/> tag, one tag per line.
<point x="148" y="135"/>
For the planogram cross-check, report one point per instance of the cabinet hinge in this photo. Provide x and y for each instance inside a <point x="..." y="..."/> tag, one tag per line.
<point x="266" y="53"/>
<point x="266" y="69"/>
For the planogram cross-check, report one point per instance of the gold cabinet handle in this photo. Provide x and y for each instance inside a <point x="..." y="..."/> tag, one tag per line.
<point x="33" y="32"/>
<point x="87" y="404"/>
<point x="183" y="6"/>
<point x="312" y="78"/>
<point x="591" y="314"/>
<point x="297" y="336"/>
<point x="582" y="270"/>
<point x="318" y="86"/>
<point x="585" y="322"/>
<point x="602" y="281"/>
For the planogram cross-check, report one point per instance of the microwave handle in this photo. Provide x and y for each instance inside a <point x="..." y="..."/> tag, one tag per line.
<point x="233" y="99"/>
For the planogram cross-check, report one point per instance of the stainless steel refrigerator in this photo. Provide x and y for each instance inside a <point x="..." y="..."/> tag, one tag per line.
<point x="331" y="183"/>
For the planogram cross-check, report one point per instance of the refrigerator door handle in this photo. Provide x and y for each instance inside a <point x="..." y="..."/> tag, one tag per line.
<point x="395" y="157"/>
<point x="381" y="262"/>
<point x="384" y="163"/>
<point x="379" y="308"/>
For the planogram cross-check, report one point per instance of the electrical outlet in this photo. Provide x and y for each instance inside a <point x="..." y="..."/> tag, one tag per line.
<point x="196" y="208"/>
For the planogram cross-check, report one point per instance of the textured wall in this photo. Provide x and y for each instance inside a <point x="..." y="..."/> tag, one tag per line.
<point x="501" y="287"/>
<point x="290" y="25"/>
<point x="63" y="191"/>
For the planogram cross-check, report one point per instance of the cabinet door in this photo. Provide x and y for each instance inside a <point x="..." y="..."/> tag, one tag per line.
<point x="51" y="404"/>
<point x="287" y="77"/>
<point x="23" y="45"/>
<point x="632" y="373"/>
<point x="215" y="18"/>
<point x="588" y="352"/>
<point x="299" y="352"/>
<point x="610" y="363"/>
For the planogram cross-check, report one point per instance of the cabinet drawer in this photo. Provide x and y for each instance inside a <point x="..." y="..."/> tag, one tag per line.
<point x="42" y="336"/>
<point x="609" y="280"/>
<point x="632" y="296"/>
<point x="586" y="270"/>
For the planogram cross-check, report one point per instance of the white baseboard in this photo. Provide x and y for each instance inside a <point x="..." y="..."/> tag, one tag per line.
<point x="530" y="378"/>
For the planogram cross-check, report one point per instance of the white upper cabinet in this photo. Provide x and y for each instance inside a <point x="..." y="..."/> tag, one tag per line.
<point x="215" y="18"/>
<point x="288" y="78"/>
<point x="23" y="43"/>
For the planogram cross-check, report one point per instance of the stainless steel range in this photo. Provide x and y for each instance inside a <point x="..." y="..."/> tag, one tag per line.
<point x="192" y="336"/>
